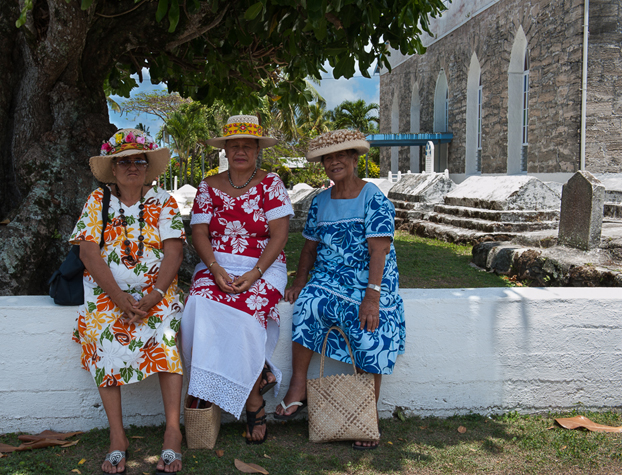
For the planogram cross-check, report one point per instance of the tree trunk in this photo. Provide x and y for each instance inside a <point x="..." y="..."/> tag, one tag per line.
<point x="53" y="117"/>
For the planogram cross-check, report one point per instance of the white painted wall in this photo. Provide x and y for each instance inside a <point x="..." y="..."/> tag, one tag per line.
<point x="480" y="350"/>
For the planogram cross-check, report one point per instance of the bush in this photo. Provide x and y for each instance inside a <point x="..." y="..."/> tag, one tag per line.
<point x="373" y="169"/>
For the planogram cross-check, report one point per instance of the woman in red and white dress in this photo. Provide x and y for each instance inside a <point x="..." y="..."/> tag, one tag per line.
<point x="240" y="221"/>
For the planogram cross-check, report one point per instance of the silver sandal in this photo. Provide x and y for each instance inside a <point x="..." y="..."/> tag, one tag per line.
<point x="168" y="456"/>
<point x="115" y="458"/>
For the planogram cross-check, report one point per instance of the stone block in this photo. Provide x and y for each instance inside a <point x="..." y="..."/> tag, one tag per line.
<point x="422" y="188"/>
<point x="581" y="216"/>
<point x="520" y="192"/>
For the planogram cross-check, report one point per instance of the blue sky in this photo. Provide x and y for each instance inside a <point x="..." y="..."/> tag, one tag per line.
<point x="334" y="91"/>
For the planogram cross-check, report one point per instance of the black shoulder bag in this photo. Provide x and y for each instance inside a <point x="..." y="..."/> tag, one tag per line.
<point x="66" y="287"/>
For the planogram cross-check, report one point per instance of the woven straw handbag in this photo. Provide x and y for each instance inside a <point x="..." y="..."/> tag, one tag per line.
<point x="202" y="425"/>
<point x="342" y="407"/>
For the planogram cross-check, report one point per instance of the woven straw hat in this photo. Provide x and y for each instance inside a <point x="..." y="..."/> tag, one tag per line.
<point x="242" y="127"/>
<point x="129" y="142"/>
<point x="336" y="141"/>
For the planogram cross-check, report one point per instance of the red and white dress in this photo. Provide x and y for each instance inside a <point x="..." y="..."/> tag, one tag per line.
<point x="227" y="337"/>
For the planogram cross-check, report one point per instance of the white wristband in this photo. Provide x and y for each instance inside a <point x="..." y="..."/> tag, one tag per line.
<point x="374" y="287"/>
<point x="161" y="291"/>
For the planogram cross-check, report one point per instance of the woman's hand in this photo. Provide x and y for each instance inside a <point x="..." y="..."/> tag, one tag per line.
<point x="222" y="278"/>
<point x="145" y="305"/>
<point x="369" y="311"/>
<point x="130" y="313"/>
<point x="292" y="293"/>
<point x="245" y="281"/>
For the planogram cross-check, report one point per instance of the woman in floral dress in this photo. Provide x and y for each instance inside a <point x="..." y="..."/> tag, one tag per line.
<point x="240" y="221"/>
<point x="132" y="311"/>
<point x="354" y="284"/>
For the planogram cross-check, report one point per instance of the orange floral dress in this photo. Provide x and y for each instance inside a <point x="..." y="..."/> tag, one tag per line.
<point x="114" y="352"/>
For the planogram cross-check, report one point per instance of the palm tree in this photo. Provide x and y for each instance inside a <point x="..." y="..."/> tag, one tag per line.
<point x="355" y="115"/>
<point x="315" y="120"/>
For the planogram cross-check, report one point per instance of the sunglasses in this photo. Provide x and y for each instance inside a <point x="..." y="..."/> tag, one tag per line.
<point x="142" y="163"/>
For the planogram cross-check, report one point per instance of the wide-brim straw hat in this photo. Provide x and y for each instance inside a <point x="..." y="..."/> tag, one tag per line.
<point x="242" y="127"/>
<point x="127" y="142"/>
<point x="336" y="141"/>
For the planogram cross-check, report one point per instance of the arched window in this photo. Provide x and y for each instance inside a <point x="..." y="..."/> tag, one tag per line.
<point x="415" y="123"/>
<point x="473" y="118"/>
<point x="480" y="90"/>
<point x="395" y="129"/>
<point x="518" y="105"/>
<point x="441" y="103"/>
<point x="525" y="116"/>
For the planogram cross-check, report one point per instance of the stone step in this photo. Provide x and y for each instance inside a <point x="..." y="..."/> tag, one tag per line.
<point x="456" y="235"/>
<point x="613" y="196"/>
<point x="399" y="222"/>
<point x="512" y="216"/>
<point x="490" y="226"/>
<point x="402" y="204"/>
<point x="613" y="210"/>
<point x="402" y="213"/>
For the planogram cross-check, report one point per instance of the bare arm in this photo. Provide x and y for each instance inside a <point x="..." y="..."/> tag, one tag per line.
<point x="305" y="264"/>
<point x="369" y="312"/>
<point x="279" y="229"/>
<point x="97" y="267"/>
<point x="203" y="246"/>
<point x="173" y="249"/>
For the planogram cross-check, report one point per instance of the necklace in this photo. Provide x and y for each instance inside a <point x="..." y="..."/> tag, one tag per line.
<point x="244" y="185"/>
<point x="141" y="238"/>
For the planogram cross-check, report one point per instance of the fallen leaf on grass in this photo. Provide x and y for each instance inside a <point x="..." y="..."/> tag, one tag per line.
<point x="267" y="456"/>
<point x="389" y="442"/>
<point x="69" y="444"/>
<point x="75" y="470"/>
<point x="462" y="429"/>
<point x="81" y="461"/>
<point x="249" y="467"/>
<point x="582" y="422"/>
<point x="549" y="428"/>
<point x="219" y="453"/>
<point x="137" y="437"/>
<point x="3" y="455"/>
<point x="563" y="447"/>
<point x="399" y="438"/>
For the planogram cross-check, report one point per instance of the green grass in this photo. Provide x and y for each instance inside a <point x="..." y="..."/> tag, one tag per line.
<point x="508" y="444"/>
<point x="423" y="263"/>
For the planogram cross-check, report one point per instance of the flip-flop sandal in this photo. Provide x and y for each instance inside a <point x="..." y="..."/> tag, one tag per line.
<point x="264" y="376"/>
<point x="285" y="417"/>
<point x="115" y="458"/>
<point x="168" y="456"/>
<point x="368" y="447"/>
<point x="252" y="420"/>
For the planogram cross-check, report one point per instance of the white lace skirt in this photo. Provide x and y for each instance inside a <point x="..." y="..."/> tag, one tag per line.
<point x="223" y="351"/>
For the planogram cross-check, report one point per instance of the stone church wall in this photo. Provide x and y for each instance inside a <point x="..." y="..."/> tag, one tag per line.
<point x="554" y="34"/>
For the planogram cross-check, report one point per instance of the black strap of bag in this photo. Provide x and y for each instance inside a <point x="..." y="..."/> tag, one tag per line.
<point x="66" y="283"/>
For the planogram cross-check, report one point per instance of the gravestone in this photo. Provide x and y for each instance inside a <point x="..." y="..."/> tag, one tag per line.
<point x="429" y="157"/>
<point x="581" y="217"/>
<point x="223" y="163"/>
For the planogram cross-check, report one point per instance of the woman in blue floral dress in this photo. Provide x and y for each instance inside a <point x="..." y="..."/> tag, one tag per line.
<point x="354" y="284"/>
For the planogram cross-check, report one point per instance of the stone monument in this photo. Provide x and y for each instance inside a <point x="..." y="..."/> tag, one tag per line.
<point x="581" y="217"/>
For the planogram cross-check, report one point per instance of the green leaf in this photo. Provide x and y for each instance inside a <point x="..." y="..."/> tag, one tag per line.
<point x="134" y="344"/>
<point x="173" y="15"/>
<point x="99" y="376"/>
<point x="153" y="322"/>
<point x="158" y="252"/>
<point x="344" y="67"/>
<point x="81" y="226"/>
<point x="91" y="307"/>
<point x="168" y="342"/>
<point x="162" y="9"/>
<point x="126" y="373"/>
<point x="139" y="375"/>
<point x="253" y="11"/>
<point x="130" y="220"/>
<point x="106" y="334"/>
<point x="175" y="324"/>
<point x="110" y="216"/>
<point x="113" y="257"/>
<point x="97" y="291"/>
<point x="86" y="4"/>
<point x="140" y="268"/>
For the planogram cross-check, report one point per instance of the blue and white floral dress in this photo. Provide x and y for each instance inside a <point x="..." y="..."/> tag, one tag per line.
<point x="339" y="281"/>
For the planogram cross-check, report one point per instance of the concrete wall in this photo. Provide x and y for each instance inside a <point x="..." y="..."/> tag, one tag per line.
<point x="482" y="350"/>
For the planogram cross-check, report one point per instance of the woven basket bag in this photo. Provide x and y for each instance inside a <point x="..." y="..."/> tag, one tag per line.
<point x="342" y="407"/>
<point x="202" y="425"/>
